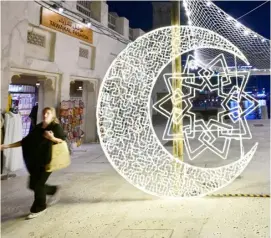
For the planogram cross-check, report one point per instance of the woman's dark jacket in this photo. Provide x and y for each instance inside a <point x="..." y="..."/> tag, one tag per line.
<point x="37" y="150"/>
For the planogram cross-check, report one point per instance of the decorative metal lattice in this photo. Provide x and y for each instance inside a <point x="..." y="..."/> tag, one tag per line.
<point x="205" y="14"/>
<point x="125" y="128"/>
<point x="83" y="53"/>
<point x="35" y="39"/>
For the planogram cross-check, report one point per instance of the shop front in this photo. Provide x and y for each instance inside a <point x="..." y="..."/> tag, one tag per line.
<point x="78" y="114"/>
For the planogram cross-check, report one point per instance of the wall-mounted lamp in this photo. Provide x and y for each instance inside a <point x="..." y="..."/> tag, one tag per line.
<point x="87" y="23"/>
<point x="60" y="9"/>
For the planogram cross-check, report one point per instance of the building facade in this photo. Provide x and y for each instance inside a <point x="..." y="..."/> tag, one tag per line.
<point x="49" y="47"/>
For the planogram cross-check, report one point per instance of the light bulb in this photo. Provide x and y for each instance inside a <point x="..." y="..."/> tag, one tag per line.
<point x="246" y="32"/>
<point x="89" y="24"/>
<point x="60" y="9"/>
<point x="238" y="25"/>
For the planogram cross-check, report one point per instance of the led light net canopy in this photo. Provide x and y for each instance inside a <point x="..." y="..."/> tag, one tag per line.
<point x="123" y="117"/>
<point x="205" y="14"/>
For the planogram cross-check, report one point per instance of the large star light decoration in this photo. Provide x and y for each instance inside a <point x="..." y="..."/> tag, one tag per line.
<point x="198" y="80"/>
<point x="125" y="128"/>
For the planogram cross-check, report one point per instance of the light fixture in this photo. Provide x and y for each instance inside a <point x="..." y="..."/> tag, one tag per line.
<point x="246" y="32"/>
<point x="37" y="84"/>
<point x="238" y="25"/>
<point x="89" y="24"/>
<point x="60" y="10"/>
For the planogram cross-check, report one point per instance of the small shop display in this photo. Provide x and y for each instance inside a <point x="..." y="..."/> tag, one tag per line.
<point x="71" y="119"/>
<point x="23" y="99"/>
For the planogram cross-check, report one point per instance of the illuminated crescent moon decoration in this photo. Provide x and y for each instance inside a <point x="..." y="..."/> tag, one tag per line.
<point x="124" y="125"/>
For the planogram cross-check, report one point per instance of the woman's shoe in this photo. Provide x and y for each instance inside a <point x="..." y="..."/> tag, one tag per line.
<point x="54" y="198"/>
<point x="34" y="214"/>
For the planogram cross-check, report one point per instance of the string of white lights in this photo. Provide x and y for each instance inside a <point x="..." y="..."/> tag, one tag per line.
<point x="204" y="13"/>
<point x="125" y="128"/>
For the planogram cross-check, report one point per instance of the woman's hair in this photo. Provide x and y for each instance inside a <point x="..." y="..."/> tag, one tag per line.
<point x="53" y="111"/>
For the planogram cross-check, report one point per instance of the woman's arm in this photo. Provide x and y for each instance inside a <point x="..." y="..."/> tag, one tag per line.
<point x="13" y="145"/>
<point x="57" y="134"/>
<point x="56" y="140"/>
<point x="50" y="136"/>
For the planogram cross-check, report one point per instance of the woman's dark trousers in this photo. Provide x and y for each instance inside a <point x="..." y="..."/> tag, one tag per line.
<point x="37" y="184"/>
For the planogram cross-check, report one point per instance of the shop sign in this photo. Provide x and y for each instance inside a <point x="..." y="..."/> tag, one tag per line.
<point x="65" y="25"/>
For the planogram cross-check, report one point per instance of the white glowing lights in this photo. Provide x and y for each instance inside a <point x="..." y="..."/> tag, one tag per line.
<point x="196" y="82"/>
<point x="217" y="20"/>
<point x="60" y="10"/>
<point x="125" y="129"/>
<point x="246" y="32"/>
<point x="238" y="24"/>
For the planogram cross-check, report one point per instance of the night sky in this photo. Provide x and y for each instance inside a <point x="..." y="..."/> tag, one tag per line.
<point x="139" y="14"/>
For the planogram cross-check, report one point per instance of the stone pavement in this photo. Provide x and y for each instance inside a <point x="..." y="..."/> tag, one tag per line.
<point x="97" y="202"/>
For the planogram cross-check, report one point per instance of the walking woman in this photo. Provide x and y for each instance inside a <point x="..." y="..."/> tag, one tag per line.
<point x="37" y="151"/>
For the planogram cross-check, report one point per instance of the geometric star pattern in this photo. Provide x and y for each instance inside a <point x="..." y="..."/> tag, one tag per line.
<point x="196" y="77"/>
<point x="124" y="124"/>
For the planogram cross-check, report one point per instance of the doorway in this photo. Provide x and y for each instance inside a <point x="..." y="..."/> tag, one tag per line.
<point x="23" y="97"/>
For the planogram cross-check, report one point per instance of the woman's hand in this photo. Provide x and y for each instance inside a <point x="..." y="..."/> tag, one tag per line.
<point x="3" y="147"/>
<point x="48" y="135"/>
<point x="13" y="145"/>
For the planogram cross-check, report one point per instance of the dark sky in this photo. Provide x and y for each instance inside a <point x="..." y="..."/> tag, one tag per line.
<point x="139" y="13"/>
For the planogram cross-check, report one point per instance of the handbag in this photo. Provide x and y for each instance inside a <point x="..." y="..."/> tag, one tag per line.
<point x="60" y="157"/>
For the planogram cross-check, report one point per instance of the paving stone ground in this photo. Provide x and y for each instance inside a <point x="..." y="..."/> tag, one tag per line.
<point x="98" y="202"/>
